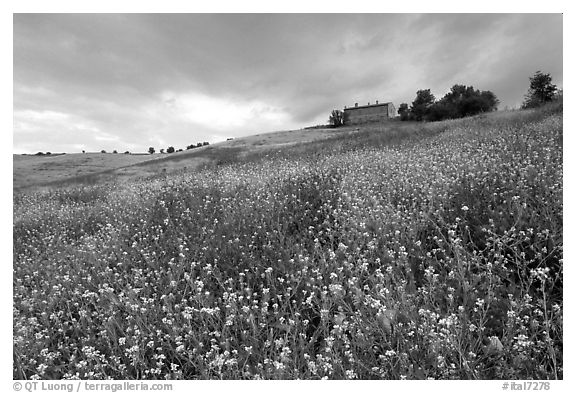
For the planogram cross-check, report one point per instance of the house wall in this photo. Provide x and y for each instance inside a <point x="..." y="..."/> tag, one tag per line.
<point x="369" y="114"/>
<point x="391" y="110"/>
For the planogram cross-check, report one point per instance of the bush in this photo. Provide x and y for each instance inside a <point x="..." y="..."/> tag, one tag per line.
<point x="336" y="118"/>
<point x="404" y="112"/>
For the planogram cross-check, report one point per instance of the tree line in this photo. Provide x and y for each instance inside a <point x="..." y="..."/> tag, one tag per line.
<point x="463" y="101"/>
<point x="460" y="101"/>
<point x="171" y="149"/>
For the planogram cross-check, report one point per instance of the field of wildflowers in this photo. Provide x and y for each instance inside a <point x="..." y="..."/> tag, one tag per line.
<point x="437" y="257"/>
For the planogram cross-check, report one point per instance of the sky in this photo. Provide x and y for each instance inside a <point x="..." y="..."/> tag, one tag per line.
<point x="131" y="81"/>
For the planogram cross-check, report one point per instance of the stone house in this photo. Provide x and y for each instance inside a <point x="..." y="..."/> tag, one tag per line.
<point x="369" y="113"/>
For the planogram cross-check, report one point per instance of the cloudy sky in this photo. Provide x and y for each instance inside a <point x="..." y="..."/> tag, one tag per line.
<point x="130" y="81"/>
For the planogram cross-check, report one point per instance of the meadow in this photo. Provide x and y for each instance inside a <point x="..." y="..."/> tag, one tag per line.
<point x="33" y="172"/>
<point x="429" y="251"/>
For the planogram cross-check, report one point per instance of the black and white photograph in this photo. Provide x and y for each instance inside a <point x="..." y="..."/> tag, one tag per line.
<point x="286" y="196"/>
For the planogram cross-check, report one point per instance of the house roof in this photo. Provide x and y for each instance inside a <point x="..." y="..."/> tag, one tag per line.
<point x="367" y="106"/>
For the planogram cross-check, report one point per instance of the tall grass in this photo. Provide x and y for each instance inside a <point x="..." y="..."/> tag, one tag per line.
<point x="436" y="256"/>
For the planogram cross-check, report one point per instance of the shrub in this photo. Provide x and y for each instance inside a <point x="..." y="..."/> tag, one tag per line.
<point x="336" y="118"/>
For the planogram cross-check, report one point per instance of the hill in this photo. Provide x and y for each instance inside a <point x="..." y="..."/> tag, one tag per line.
<point x="398" y="251"/>
<point x="32" y="172"/>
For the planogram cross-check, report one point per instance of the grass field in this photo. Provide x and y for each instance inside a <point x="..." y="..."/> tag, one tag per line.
<point x="55" y="171"/>
<point x="400" y="251"/>
<point x="31" y="170"/>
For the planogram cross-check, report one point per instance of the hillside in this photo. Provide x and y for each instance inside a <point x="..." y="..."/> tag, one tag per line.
<point x="396" y="251"/>
<point x="31" y="172"/>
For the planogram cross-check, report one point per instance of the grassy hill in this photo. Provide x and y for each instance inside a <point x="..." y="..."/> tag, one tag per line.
<point x="34" y="172"/>
<point x="31" y="170"/>
<point x="393" y="251"/>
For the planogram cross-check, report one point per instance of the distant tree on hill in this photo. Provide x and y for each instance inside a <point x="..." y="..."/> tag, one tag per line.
<point x="103" y="151"/>
<point x="404" y="112"/>
<point x="205" y="143"/>
<point x="460" y="101"/>
<point x="465" y="101"/>
<point x="541" y="91"/>
<point x="336" y="118"/>
<point x="126" y="152"/>
<point x="151" y="150"/>
<point x="421" y="105"/>
<point x="170" y="149"/>
<point x="199" y="144"/>
<point x="83" y="151"/>
<point x="115" y="152"/>
<point x="161" y="151"/>
<point x="192" y="146"/>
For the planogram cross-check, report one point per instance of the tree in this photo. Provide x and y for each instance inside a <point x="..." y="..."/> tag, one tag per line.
<point x="490" y="100"/>
<point x="115" y="152"/>
<point x="151" y="150"/>
<point x="170" y="149"/>
<point x="421" y="105"/>
<point x="336" y="118"/>
<point x="161" y="151"/>
<point x="404" y="111"/>
<point x="541" y="90"/>
<point x="103" y="151"/>
<point x="441" y="110"/>
<point x="462" y="101"/>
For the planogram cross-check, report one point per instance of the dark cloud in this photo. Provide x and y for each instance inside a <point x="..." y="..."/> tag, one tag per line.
<point x="141" y="79"/>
